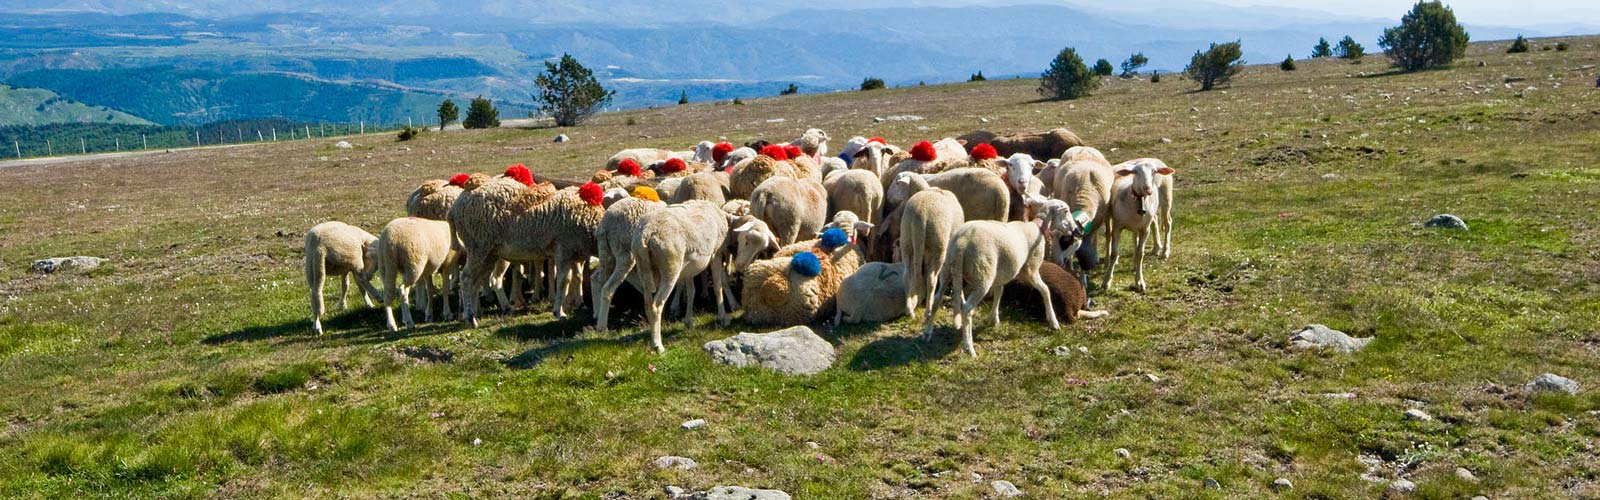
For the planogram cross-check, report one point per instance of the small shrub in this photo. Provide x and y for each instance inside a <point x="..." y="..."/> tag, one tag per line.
<point x="871" y="83"/>
<point x="792" y="90"/>
<point x="1155" y="77"/>
<point x="977" y="77"/>
<point x="1287" y="64"/>
<point x="1067" y="78"/>
<point x="409" y="132"/>
<point x="481" y="114"/>
<point x="1518" y="46"/>
<point x="634" y="121"/>
<point x="1102" y="67"/>
<point x="1349" y="49"/>
<point x="1427" y="37"/>
<point x="683" y="98"/>
<point x="1322" y="49"/>
<point x="1561" y="46"/>
<point x="1131" y="66"/>
<point x="1215" y="66"/>
<point x="736" y="102"/>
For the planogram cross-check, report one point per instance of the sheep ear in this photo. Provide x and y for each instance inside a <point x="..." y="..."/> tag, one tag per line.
<point x="962" y="142"/>
<point x="772" y="242"/>
<point x="1164" y="170"/>
<point x="746" y="227"/>
<point x="1124" y="171"/>
<point x="1035" y="202"/>
<point x="864" y="228"/>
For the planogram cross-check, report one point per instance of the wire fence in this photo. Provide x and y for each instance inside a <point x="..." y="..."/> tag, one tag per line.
<point x="21" y="142"/>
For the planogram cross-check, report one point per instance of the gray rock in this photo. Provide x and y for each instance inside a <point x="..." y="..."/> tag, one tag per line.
<point x="1339" y="395"/>
<point x="739" y="493"/>
<point x="1318" y="336"/>
<point x="1446" y="221"/>
<point x="1418" y="414"/>
<point x="793" y="351"/>
<point x="343" y="145"/>
<point x="694" y="424"/>
<point x="79" y="263"/>
<point x="1005" y="489"/>
<point x="1165" y="140"/>
<point x="1282" y="484"/>
<point x="1062" y="351"/>
<point x="1122" y="452"/>
<point x="900" y="118"/>
<point x="563" y="138"/>
<point x="1211" y="484"/>
<point x="1481" y="497"/>
<point x="1402" y="486"/>
<point x="1330" y="176"/>
<point x="1466" y="475"/>
<point x="674" y="492"/>
<point x="682" y="463"/>
<point x="1552" y="383"/>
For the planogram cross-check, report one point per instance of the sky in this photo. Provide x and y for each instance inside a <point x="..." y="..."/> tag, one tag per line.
<point x="1489" y="12"/>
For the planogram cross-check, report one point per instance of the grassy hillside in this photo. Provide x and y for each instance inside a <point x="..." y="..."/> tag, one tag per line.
<point x="71" y="138"/>
<point x="21" y="106"/>
<point x="185" y="368"/>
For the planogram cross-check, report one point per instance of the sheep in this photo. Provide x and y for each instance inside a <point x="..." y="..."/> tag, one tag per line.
<point x="642" y="156"/>
<point x="874" y="293"/>
<point x="927" y="158"/>
<point x="749" y="174"/>
<point x="800" y="283"/>
<point x="708" y="186"/>
<point x="857" y="191"/>
<point x="752" y="237"/>
<point x="851" y="147"/>
<point x="793" y="207"/>
<point x="672" y="246"/>
<point x="1047" y="144"/>
<point x="848" y="222"/>
<point x="1141" y="198"/>
<point x="1083" y="180"/>
<point x="982" y="193"/>
<point x="735" y="157"/>
<point x="983" y="256"/>
<point x="874" y="156"/>
<point x="614" y="245"/>
<point x="1066" y="294"/>
<point x="408" y="252"/>
<point x="337" y="249"/>
<point x="814" y="143"/>
<point x="928" y="219"/>
<point x="1047" y="177"/>
<point x="432" y="199"/>
<point x="806" y="167"/>
<point x="833" y="164"/>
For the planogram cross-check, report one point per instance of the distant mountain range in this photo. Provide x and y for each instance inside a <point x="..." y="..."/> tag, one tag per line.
<point x="193" y="61"/>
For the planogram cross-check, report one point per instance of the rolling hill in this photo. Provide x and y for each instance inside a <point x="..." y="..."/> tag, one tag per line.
<point x="25" y="106"/>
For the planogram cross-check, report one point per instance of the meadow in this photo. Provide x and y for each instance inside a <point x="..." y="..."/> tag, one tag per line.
<point x="185" y="367"/>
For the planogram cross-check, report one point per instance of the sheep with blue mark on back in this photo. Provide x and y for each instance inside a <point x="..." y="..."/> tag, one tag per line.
<point x="800" y="284"/>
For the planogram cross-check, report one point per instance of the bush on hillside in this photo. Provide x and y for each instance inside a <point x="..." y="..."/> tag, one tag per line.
<point x="1518" y="46"/>
<point x="570" y="93"/>
<point x="1067" y="77"/>
<point x="1102" y="67"/>
<point x="1349" y="49"/>
<point x="1287" y="64"/>
<point x="481" y="114"/>
<point x="870" y="83"/>
<point x="1427" y="37"/>
<point x="1216" y="66"/>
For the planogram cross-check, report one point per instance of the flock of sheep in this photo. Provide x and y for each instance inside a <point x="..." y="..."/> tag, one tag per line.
<point x="786" y="232"/>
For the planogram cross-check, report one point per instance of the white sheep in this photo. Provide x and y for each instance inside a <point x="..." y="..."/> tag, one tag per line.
<point x="642" y="156"/>
<point x="983" y="256"/>
<point x="814" y="143"/>
<point x="708" y="186"/>
<point x="1083" y="180"/>
<point x="408" y="253"/>
<point x="752" y="237"/>
<point x="1141" y="199"/>
<point x="874" y="156"/>
<point x="928" y="218"/>
<point x="982" y="192"/>
<point x="927" y="158"/>
<point x="337" y="249"/>
<point x="614" y="245"/>
<point x="792" y="207"/>
<point x="874" y="293"/>
<point x="674" y="245"/>
<point x="736" y="156"/>
<point x="857" y="191"/>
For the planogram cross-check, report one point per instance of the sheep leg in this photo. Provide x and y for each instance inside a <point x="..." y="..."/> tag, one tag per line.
<point x="996" y="292"/>
<point x="369" y="294"/>
<point x="405" y="303"/>
<point x="967" y="306"/>
<point x="517" y="300"/>
<point x="938" y="289"/>
<point x="425" y="294"/>
<point x="314" y="279"/>
<point x="1164" y="221"/>
<point x="602" y="300"/>
<point x="344" y="292"/>
<point x="449" y="280"/>
<point x="498" y="283"/>
<point x="1044" y="292"/>
<point x="687" y="297"/>
<point x="916" y="278"/>
<point x="658" y="303"/>
<point x="1139" y="238"/>
<point x="1111" y="260"/>
<point x="558" y="295"/>
<point x="719" y="284"/>
<point x="390" y="288"/>
<point x="1093" y="314"/>
<point x="476" y="275"/>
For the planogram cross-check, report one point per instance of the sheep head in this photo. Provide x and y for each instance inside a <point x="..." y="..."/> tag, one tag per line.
<point x="872" y="156"/>
<point x="904" y="185"/>
<point x="752" y="238"/>
<point x="703" y="151"/>
<point x="1062" y="231"/>
<point x="1143" y="182"/>
<point x="1020" y="168"/>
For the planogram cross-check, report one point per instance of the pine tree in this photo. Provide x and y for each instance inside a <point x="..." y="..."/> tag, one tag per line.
<point x="1349" y="49"/>
<point x="870" y="83"/>
<point x="569" y="92"/>
<point x="977" y="77"/>
<point x="683" y="98"/>
<point x="1102" y="67"/>
<point x="1131" y="66"/>
<point x="1067" y="77"/>
<point x="1322" y="49"/>
<point x="1287" y="64"/>
<point x="481" y="114"/>
<point x="448" y="113"/>
<point x="1215" y="66"/>
<point x="792" y="90"/>
<point x="1427" y="37"/>
<point x="1518" y="46"/>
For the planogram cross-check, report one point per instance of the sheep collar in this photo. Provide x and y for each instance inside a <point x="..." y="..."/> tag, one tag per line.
<point x="1083" y="219"/>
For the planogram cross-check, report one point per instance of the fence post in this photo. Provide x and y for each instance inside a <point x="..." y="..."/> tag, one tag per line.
<point x="146" y="141"/>
<point x="83" y="146"/>
<point x="274" y="134"/>
<point x="18" y="145"/>
<point x="49" y="149"/>
<point x="119" y="143"/>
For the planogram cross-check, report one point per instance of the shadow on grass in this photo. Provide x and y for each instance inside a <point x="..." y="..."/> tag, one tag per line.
<point x="356" y="318"/>
<point x="889" y="352"/>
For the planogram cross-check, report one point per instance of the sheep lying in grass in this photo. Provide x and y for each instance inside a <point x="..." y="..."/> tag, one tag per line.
<point x="408" y="253"/>
<point x="674" y="244"/>
<point x="928" y="218"/>
<point x="983" y="256"/>
<point x="874" y="293"/>
<point x="641" y="156"/>
<point x="1046" y="144"/>
<point x="1066" y="294"/>
<point x="432" y="199"/>
<point x="857" y="191"/>
<point x="801" y="283"/>
<point x="614" y="245"/>
<point x="1140" y="200"/>
<point x="792" y="207"/>
<point x="336" y="249"/>
<point x="982" y="193"/>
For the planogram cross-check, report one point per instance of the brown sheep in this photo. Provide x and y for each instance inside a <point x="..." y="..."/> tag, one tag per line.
<point x="1066" y="294"/>
<point x="1041" y="145"/>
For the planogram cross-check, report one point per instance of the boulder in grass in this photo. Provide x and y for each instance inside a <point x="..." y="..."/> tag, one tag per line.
<point x="792" y="351"/>
<point x="1551" y="382"/>
<point x="1322" y="337"/>
<point x="1446" y="221"/>
<point x="79" y="263"/>
<point x="739" y="493"/>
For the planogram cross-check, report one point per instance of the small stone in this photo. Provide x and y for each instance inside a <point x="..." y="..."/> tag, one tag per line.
<point x="79" y="263"/>
<point x="343" y="145"/>
<point x="977" y="478"/>
<point x="1418" y="414"/>
<point x="563" y="138"/>
<point x="1446" y="221"/>
<point x="1402" y="486"/>
<point x="983" y="120"/>
<point x="1165" y="140"/>
<point x="740" y="493"/>
<point x="322" y="158"/>
<point x="1062" y="351"/>
<point x="1550" y="382"/>
<point x="1319" y="336"/>
<point x="1152" y="377"/>
<point x="1005" y="489"/>
<point x="477" y="441"/>
<point x="1122" y="453"/>
<point x="1330" y="176"/>
<point x="680" y="463"/>
<point x="813" y="445"/>
<point x="1339" y="395"/>
<point x="878" y="119"/>
<point x="1212" y="484"/>
<point x="1480" y="497"/>
<point x="694" y="424"/>
<point x="1083" y="349"/>
<point x="923" y="128"/>
<point x="1282" y="484"/>
<point x="674" y="492"/>
<point x="777" y="120"/>
<point x="1466" y="475"/>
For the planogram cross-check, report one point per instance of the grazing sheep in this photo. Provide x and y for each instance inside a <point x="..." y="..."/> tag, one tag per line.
<point x="874" y="293"/>
<point x="708" y="186"/>
<point x="1084" y="181"/>
<point x="674" y="245"/>
<point x="614" y="245"/>
<point x="983" y="193"/>
<point x="806" y="167"/>
<point x="408" y="252"/>
<point x="748" y="174"/>
<point x="752" y="237"/>
<point x="928" y="219"/>
<point x="983" y="256"/>
<point x="857" y="191"/>
<point x="1047" y="144"/>
<point x="814" y="143"/>
<point x="641" y="156"/>
<point x="735" y="157"/>
<point x="833" y="164"/>
<point x="792" y="207"/>
<point x="337" y="249"/>
<point x="432" y="199"/>
<point x="1141" y="199"/>
<point x="848" y="222"/>
<point x="798" y="285"/>
<point x="1047" y="177"/>
<point x="1066" y="294"/>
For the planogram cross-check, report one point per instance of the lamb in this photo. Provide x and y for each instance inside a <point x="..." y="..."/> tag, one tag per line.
<point x="641" y="156"/>
<point x="1066" y="294"/>
<point x="793" y="207"/>
<point x="848" y="222"/>
<point x="1084" y="181"/>
<point x="674" y="245"/>
<point x="752" y="237"/>
<point x="748" y="174"/>
<point x="432" y="199"/>
<point x="874" y="293"/>
<point x="857" y="191"/>
<point x="408" y="252"/>
<point x="983" y="256"/>
<point x="1141" y="199"/>
<point x="800" y="283"/>
<point x="927" y="221"/>
<point x="1048" y="144"/>
<point x="708" y="186"/>
<point x="614" y="245"/>
<point x="338" y="250"/>
<point x="983" y="193"/>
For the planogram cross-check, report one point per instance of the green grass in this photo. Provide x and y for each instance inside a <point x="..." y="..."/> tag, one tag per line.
<point x="186" y="368"/>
